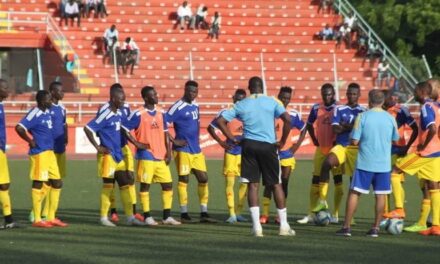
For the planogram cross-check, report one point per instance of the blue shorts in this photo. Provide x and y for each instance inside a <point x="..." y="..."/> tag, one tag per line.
<point x="362" y="180"/>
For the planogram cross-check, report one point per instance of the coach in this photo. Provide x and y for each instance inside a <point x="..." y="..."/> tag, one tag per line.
<point x="260" y="149"/>
<point x="374" y="132"/>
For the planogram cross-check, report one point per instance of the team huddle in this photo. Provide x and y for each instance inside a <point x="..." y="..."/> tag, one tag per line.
<point x="368" y="145"/>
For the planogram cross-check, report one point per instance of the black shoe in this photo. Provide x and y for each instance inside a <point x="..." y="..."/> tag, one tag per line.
<point x="204" y="218"/>
<point x="373" y="232"/>
<point x="186" y="219"/>
<point x="344" y="232"/>
<point x="9" y="226"/>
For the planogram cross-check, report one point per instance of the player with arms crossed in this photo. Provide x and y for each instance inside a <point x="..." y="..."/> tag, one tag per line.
<point x="232" y="162"/>
<point x="184" y="114"/>
<point x="153" y="154"/>
<point x="286" y="153"/>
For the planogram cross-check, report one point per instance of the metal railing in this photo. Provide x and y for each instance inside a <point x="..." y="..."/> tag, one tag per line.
<point x="41" y="21"/>
<point x="397" y="68"/>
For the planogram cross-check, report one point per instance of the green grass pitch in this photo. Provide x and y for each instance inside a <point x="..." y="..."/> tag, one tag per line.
<point x="85" y="241"/>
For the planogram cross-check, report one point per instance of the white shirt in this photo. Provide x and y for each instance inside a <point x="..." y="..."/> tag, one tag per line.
<point x="71" y="8"/>
<point x="350" y="21"/>
<point x="184" y="11"/>
<point x="218" y="22"/>
<point x="382" y="67"/>
<point x="202" y="13"/>
<point x="344" y="30"/>
<point x="130" y="45"/>
<point x="108" y="34"/>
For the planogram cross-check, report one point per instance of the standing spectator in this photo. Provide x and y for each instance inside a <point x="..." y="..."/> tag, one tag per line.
<point x="325" y="4"/>
<point x="373" y="49"/>
<point x="216" y="21"/>
<point x="351" y="21"/>
<point x="102" y="10"/>
<point x="326" y="33"/>
<point x="260" y="149"/>
<point x="374" y="131"/>
<point x="89" y="5"/>
<point x="383" y="70"/>
<point x="344" y="35"/>
<point x="132" y="47"/>
<point x="200" y="20"/>
<point x="71" y="11"/>
<point x="184" y="14"/>
<point x="109" y="34"/>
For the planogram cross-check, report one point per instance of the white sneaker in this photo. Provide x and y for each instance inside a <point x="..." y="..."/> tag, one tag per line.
<point x="150" y="221"/>
<point x="287" y="232"/>
<point x="232" y="219"/>
<point x="106" y="222"/>
<point x="257" y="232"/>
<point x="334" y="220"/>
<point x="171" y="221"/>
<point x="134" y="222"/>
<point x="305" y="220"/>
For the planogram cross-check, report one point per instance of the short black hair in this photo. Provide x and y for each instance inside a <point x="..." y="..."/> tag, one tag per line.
<point x="191" y="83"/>
<point x="354" y="85"/>
<point x="255" y="82"/>
<point x="146" y="90"/>
<point x="240" y="92"/>
<point x="376" y="97"/>
<point x="386" y="93"/>
<point x="326" y="86"/>
<point x="115" y="86"/>
<point x="285" y="89"/>
<point x="424" y="86"/>
<point x="40" y="95"/>
<point x="54" y="84"/>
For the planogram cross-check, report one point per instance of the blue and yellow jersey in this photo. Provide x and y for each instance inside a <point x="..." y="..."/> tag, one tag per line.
<point x="125" y="113"/>
<point x="236" y="128"/>
<point x="58" y="115"/>
<point x="345" y="114"/>
<point x="429" y="116"/>
<point x="39" y="125"/>
<point x="185" y="118"/>
<point x="403" y="117"/>
<point x="2" y="128"/>
<point x="295" y="123"/>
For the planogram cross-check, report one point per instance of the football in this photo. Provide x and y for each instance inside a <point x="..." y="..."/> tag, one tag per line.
<point x="323" y="218"/>
<point x="395" y="226"/>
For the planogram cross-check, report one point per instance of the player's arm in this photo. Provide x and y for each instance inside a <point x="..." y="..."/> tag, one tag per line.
<point x="302" y="135"/>
<point x="168" y="146"/>
<point x="427" y="123"/>
<point x="337" y="125"/>
<point x="66" y="134"/>
<point x="357" y="131"/>
<point x="310" y="128"/>
<point x="89" y="134"/>
<point x="432" y="131"/>
<point x="169" y="117"/>
<point x="222" y="125"/>
<point x="137" y="144"/>
<point x="211" y="130"/>
<point x="414" y="134"/>
<point x="21" y="131"/>
<point x="286" y="129"/>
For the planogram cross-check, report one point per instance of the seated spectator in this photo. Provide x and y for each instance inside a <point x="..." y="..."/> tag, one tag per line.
<point x="184" y="14"/>
<point x="127" y="59"/>
<point x="89" y="5"/>
<point x="343" y="35"/>
<point x="214" y="30"/>
<point x="102" y="10"/>
<point x="373" y="50"/>
<point x="325" y="5"/>
<point x="362" y="43"/>
<point x="326" y="33"/>
<point x="71" y="11"/>
<point x="112" y="51"/>
<point x="109" y="34"/>
<point x="130" y="46"/>
<point x="383" y="70"/>
<point x="200" y="20"/>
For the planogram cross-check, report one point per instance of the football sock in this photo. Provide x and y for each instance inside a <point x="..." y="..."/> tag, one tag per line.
<point x="435" y="206"/>
<point x="167" y="199"/>
<point x="132" y="189"/>
<point x="323" y="190"/>
<point x="106" y="192"/>
<point x="145" y="201"/>
<point x="113" y="199"/>
<point x="255" y="215"/>
<point x="36" y="204"/>
<point x="282" y="214"/>
<point x="230" y="194"/>
<point x="46" y="193"/>
<point x="5" y="201"/>
<point x="203" y="196"/>
<point x="54" y="198"/>
<point x="183" y="195"/>
<point x="339" y="193"/>
<point x="241" y="198"/>
<point x="396" y="186"/>
<point x="266" y="204"/>
<point x="166" y="213"/>
<point x="386" y="208"/>
<point x="126" y="200"/>
<point x="424" y="213"/>
<point x="314" y="196"/>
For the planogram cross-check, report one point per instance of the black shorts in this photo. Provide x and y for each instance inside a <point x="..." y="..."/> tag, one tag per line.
<point x="260" y="159"/>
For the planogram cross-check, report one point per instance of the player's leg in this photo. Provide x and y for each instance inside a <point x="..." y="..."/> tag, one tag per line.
<point x="108" y="185"/>
<point x="5" y="199"/>
<point x="434" y="191"/>
<point x="267" y="194"/>
<point x="124" y="181"/>
<point x="129" y="168"/>
<point x="382" y="187"/>
<point x="242" y="191"/>
<point x="56" y="172"/>
<point x="167" y="195"/>
<point x="144" y="194"/>
<point x="331" y="161"/>
<point x="421" y="225"/>
<point x="183" y="170"/>
<point x="37" y="198"/>
<point x="230" y="172"/>
<point x="198" y="166"/>
<point x="337" y="197"/>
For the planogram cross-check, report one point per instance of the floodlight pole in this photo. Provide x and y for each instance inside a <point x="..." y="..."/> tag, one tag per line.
<point x="335" y="75"/>
<point x="263" y="78"/>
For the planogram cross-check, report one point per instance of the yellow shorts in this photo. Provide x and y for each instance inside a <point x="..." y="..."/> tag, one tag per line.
<point x="289" y="162"/>
<point x="4" y="170"/>
<point x="107" y="166"/>
<point x="232" y="165"/>
<point x="44" y="166"/>
<point x="318" y="159"/>
<point x="128" y="158"/>
<point x="394" y="159"/>
<point x="151" y="171"/>
<point x="186" y="162"/>
<point x="425" y="168"/>
<point x="347" y="156"/>
<point x="61" y="161"/>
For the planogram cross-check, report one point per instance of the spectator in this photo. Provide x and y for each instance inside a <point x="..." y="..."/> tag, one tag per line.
<point x="216" y="21"/>
<point x="102" y="10"/>
<point x="112" y="51"/>
<point x="109" y="34"/>
<point x="89" y="5"/>
<point x="71" y="11"/>
<point x="200" y="20"/>
<point x="362" y="43"/>
<point x="62" y="8"/>
<point x="344" y="35"/>
<point x="326" y="33"/>
<point x="383" y="70"/>
<point x="129" y="46"/>
<point x="325" y="4"/>
<point x="184" y="14"/>
<point x="350" y="21"/>
<point x="373" y="50"/>
<point x="81" y="7"/>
